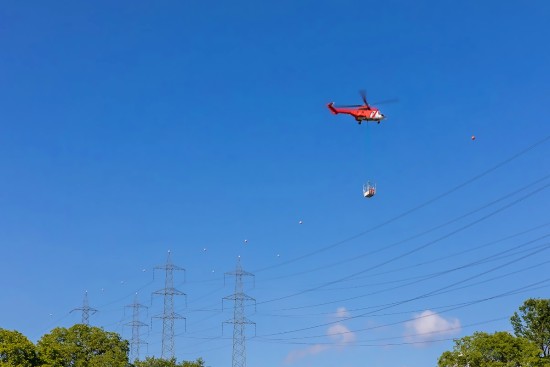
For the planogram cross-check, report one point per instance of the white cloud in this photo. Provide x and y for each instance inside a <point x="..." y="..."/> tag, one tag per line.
<point x="428" y="325"/>
<point x="342" y="312"/>
<point x="295" y="355"/>
<point x="341" y="334"/>
<point x="338" y="333"/>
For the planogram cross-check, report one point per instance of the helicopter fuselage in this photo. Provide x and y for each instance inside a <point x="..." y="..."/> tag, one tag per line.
<point x="361" y="113"/>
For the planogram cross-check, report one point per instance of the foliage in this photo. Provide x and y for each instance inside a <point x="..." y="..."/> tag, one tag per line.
<point x="16" y="350"/>
<point x="533" y="322"/>
<point x="159" y="362"/>
<point x="78" y="346"/>
<point x="82" y="346"/>
<point x="500" y="349"/>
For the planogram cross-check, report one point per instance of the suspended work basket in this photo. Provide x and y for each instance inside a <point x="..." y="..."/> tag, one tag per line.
<point x="369" y="190"/>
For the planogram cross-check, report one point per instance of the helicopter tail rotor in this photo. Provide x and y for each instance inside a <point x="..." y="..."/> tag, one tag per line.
<point x="331" y="108"/>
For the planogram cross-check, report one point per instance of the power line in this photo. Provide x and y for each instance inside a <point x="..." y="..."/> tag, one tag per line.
<point x="445" y="308"/>
<point x="433" y="275"/>
<point x="412" y="210"/>
<point x="288" y="341"/>
<point x="439" y="291"/>
<point x="430" y="243"/>
<point x="473" y="179"/>
<point x="439" y="226"/>
<point x="450" y="256"/>
<point x="504" y="294"/>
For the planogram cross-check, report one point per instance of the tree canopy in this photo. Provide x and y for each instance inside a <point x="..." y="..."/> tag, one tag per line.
<point x="82" y="346"/>
<point x="78" y="346"/>
<point x="500" y="349"/>
<point x="533" y="323"/>
<point x="159" y="362"/>
<point x="16" y="350"/>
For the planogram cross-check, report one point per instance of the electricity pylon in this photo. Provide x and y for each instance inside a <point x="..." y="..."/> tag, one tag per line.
<point x="169" y="315"/>
<point x="239" y="320"/>
<point x="86" y="310"/>
<point x="136" y="324"/>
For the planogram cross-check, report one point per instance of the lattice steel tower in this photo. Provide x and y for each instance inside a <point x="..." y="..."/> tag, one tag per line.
<point x="136" y="324"/>
<point x="168" y="316"/>
<point x="86" y="310"/>
<point x="239" y="320"/>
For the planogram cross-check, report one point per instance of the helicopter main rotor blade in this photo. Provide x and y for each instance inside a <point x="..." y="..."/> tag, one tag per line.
<point x="386" y="101"/>
<point x="363" y="94"/>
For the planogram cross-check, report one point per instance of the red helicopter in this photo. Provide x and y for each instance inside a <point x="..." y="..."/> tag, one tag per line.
<point x="364" y="112"/>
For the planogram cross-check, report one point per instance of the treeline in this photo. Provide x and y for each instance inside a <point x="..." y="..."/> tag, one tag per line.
<point x="529" y="347"/>
<point x="78" y="346"/>
<point x="88" y="346"/>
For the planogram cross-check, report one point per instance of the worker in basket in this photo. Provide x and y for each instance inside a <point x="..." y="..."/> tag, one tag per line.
<point x="369" y="190"/>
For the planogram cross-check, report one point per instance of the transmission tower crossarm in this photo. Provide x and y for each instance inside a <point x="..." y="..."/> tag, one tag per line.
<point x="169" y="291"/>
<point x="244" y="320"/>
<point x="239" y="296"/>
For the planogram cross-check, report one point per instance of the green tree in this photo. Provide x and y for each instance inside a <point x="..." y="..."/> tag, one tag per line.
<point x="533" y="322"/>
<point x="500" y="349"/>
<point x="16" y="350"/>
<point x="159" y="362"/>
<point x="82" y="346"/>
<point x="198" y="363"/>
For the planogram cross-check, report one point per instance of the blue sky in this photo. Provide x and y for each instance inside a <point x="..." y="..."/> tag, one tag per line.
<point x="131" y="129"/>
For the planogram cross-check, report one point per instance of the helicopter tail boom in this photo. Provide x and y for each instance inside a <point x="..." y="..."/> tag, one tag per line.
<point x="331" y="108"/>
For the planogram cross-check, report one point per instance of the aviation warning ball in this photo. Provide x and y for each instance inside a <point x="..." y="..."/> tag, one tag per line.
<point x="473" y="137"/>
